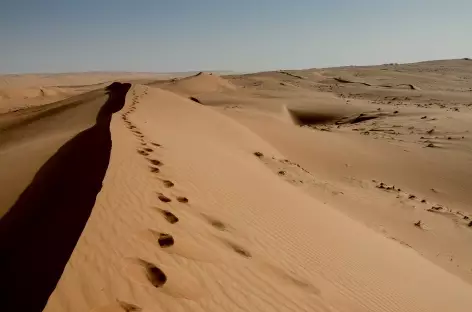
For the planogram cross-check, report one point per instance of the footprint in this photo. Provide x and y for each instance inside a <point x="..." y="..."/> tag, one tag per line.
<point x="155" y="162"/>
<point x="154" y="275"/>
<point x="163" y="198"/>
<point x="154" y="169"/>
<point x="168" y="183"/>
<point x="195" y="100"/>
<point x="289" y="278"/>
<point x="144" y="153"/>
<point x="165" y="279"/>
<point x="128" y="307"/>
<point x="119" y="306"/>
<point x="147" y="149"/>
<point x="156" y="144"/>
<point x="217" y="224"/>
<point x="169" y="216"/>
<point x="165" y="240"/>
<point x="238" y="249"/>
<point x="201" y="248"/>
<point x="182" y="199"/>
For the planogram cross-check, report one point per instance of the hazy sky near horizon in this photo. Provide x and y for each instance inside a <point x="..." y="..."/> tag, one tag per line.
<point x="243" y="35"/>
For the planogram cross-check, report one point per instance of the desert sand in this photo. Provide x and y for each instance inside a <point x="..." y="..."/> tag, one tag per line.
<point x="336" y="189"/>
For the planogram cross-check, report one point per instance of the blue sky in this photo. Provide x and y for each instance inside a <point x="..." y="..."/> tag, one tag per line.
<point x="239" y="35"/>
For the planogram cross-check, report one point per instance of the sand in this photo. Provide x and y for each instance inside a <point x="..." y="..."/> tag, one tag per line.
<point x="339" y="189"/>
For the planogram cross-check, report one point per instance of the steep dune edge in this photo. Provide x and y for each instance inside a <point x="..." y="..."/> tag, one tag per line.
<point x="190" y="218"/>
<point x="48" y="217"/>
<point x="29" y="137"/>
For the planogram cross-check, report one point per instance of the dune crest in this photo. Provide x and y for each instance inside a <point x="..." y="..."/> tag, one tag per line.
<point x="199" y="83"/>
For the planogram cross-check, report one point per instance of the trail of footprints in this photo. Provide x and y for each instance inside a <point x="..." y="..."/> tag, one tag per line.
<point x="155" y="276"/>
<point x="429" y="207"/>
<point x="462" y="217"/>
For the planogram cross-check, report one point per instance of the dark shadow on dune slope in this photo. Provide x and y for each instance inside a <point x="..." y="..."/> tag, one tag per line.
<point x="303" y="118"/>
<point x="195" y="100"/>
<point x="310" y="118"/>
<point x="40" y="231"/>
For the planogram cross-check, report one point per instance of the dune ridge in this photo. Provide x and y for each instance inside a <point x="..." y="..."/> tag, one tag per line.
<point x="49" y="216"/>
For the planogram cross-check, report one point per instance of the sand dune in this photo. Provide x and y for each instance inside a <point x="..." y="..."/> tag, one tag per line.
<point x="12" y="99"/>
<point x="196" y="84"/>
<point x="278" y="191"/>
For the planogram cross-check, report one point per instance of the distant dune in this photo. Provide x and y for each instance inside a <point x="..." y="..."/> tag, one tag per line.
<point x="334" y="189"/>
<point x="196" y="84"/>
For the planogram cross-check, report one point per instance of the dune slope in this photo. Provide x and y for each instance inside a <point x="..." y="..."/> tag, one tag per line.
<point x="48" y="217"/>
<point x="189" y="218"/>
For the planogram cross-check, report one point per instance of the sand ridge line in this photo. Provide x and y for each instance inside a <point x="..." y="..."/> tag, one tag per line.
<point x="39" y="211"/>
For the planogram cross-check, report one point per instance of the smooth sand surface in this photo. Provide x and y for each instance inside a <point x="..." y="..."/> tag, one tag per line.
<point x="339" y="189"/>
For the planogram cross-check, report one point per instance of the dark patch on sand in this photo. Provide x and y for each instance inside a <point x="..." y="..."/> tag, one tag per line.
<point x="48" y="218"/>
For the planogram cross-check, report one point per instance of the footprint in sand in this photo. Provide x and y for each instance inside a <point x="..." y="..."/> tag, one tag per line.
<point x="182" y="199"/>
<point x="144" y="153"/>
<point x="156" y="144"/>
<point x="238" y="249"/>
<point x="128" y="307"/>
<point x="173" y="282"/>
<point x="119" y="306"/>
<point x="149" y="150"/>
<point x="168" y="183"/>
<point x="163" y="198"/>
<point x="154" y="169"/>
<point x="201" y="248"/>
<point x="154" y="275"/>
<point x="169" y="216"/>
<point x="288" y="279"/>
<point x="164" y="240"/>
<point x="217" y="224"/>
<point x="155" y="162"/>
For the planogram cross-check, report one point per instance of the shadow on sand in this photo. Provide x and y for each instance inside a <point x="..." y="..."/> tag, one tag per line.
<point x="40" y="231"/>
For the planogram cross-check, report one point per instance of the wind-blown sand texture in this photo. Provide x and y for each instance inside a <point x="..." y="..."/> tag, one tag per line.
<point x="339" y="189"/>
